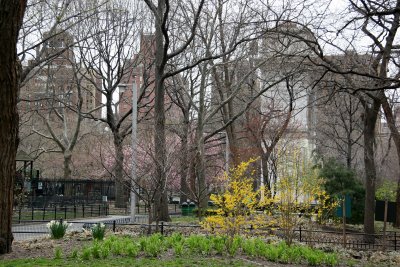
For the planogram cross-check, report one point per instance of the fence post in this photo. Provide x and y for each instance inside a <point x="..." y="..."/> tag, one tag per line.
<point x="114" y="226"/>
<point x="65" y="212"/>
<point x="44" y="212"/>
<point x="99" y="210"/>
<point x="162" y="228"/>
<point x="300" y="232"/>
<point x="395" y="241"/>
<point x="55" y="212"/>
<point x="83" y="210"/>
<point x="138" y="208"/>
<point x="91" y="210"/>
<point x="74" y="211"/>
<point x="19" y="215"/>
<point x="32" y="212"/>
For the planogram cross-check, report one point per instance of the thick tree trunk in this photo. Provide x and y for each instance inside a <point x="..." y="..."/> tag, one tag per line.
<point x="67" y="165"/>
<point x="201" y="193"/>
<point x="11" y="14"/>
<point x="161" y="198"/>
<point x="370" y="119"/>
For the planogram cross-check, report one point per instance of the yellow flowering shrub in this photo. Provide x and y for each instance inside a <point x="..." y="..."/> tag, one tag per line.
<point x="236" y="207"/>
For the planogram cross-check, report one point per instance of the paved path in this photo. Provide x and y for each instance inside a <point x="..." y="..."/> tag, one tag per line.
<point x="38" y="230"/>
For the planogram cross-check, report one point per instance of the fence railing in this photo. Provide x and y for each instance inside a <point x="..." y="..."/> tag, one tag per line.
<point x="57" y="212"/>
<point x="358" y="241"/>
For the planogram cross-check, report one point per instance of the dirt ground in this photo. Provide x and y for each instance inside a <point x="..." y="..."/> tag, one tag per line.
<point x="44" y="247"/>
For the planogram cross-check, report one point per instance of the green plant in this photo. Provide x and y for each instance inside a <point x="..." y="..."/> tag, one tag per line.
<point x="192" y="243"/>
<point x="86" y="252"/>
<point x="117" y="247"/>
<point x="133" y="249"/>
<point x="98" y="231"/>
<point x="57" y="253"/>
<point x="205" y="246"/>
<point x="331" y="259"/>
<point x="218" y="243"/>
<point x="233" y="245"/>
<point x="341" y="180"/>
<point x="96" y="250"/>
<point x="153" y="245"/>
<point x="249" y="247"/>
<point x="57" y="228"/>
<point x="74" y="254"/>
<point x="178" y="248"/>
<point x="271" y="253"/>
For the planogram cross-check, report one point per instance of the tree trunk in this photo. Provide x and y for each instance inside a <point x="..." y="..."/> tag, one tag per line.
<point x="67" y="165"/>
<point x="121" y="195"/>
<point x="161" y="198"/>
<point x="11" y="14"/>
<point x="370" y="119"/>
<point x="396" y="139"/>
<point x="184" y="161"/>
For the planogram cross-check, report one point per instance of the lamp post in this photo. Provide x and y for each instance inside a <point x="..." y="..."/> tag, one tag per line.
<point x="134" y="140"/>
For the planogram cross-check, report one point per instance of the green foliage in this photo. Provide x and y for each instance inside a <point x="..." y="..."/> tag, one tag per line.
<point x="387" y="191"/>
<point x="74" y="254"/>
<point x="233" y="245"/>
<point x="154" y="245"/>
<point x="86" y="253"/>
<point x="98" y="231"/>
<point x="133" y="249"/>
<point x="218" y="243"/>
<point x="57" y="253"/>
<point x="341" y="180"/>
<point x="96" y="250"/>
<point x="57" y="228"/>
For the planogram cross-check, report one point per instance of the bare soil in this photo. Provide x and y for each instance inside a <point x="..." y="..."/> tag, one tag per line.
<point x="44" y="247"/>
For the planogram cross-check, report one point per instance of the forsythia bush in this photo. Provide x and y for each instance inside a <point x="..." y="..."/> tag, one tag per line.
<point x="299" y="196"/>
<point x="236" y="207"/>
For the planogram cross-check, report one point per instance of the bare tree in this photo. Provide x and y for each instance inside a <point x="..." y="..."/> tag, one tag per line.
<point x="11" y="15"/>
<point x="109" y="58"/>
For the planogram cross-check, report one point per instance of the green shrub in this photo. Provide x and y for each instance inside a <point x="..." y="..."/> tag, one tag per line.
<point x="205" y="246"/>
<point x="57" y="253"/>
<point x="86" y="253"/>
<point x="331" y="259"/>
<point x="234" y="244"/>
<point x="173" y="239"/>
<point x="98" y="231"/>
<point x="117" y="247"/>
<point x="218" y="243"/>
<point x="57" y="228"/>
<point x="96" y="250"/>
<point x="74" y="254"/>
<point x="133" y="249"/>
<point x="193" y="243"/>
<point x="105" y="251"/>
<point x="178" y="248"/>
<point x="272" y="253"/>
<point x="153" y="245"/>
<point x="249" y="247"/>
<point x="314" y="257"/>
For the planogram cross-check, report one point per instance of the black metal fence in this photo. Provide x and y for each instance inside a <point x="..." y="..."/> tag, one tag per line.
<point x="357" y="241"/>
<point x="56" y="212"/>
